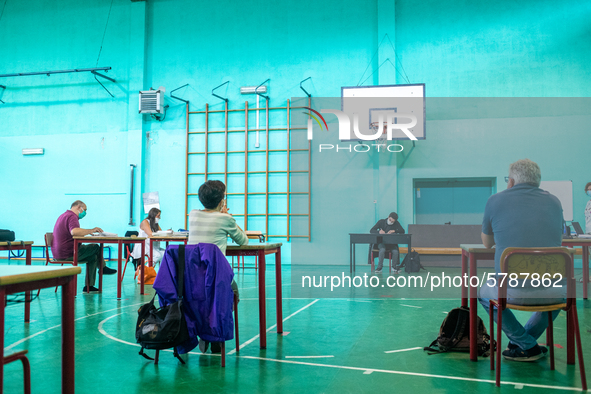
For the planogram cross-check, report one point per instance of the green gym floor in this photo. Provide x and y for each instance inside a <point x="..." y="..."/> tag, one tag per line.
<point x="329" y="345"/>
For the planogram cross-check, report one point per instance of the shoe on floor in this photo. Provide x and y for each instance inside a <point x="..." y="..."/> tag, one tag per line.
<point x="92" y="289"/>
<point x="518" y="354"/>
<point x="203" y="345"/>
<point x="216" y="347"/>
<point x="378" y="271"/>
<point x="108" y="271"/>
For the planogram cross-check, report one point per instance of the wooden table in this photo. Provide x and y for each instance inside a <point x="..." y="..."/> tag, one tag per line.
<point x="163" y="238"/>
<point x="261" y="250"/>
<point x="475" y="252"/>
<point x="113" y="240"/>
<point x="26" y="246"/>
<point x="15" y="279"/>
<point x="375" y="238"/>
<point x="584" y="243"/>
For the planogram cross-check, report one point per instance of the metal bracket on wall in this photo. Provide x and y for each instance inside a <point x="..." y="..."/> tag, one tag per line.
<point x="76" y="70"/>
<point x="100" y="83"/>
<point x="217" y="87"/>
<point x="257" y="90"/>
<point x="3" y="88"/>
<point x="178" y="98"/>
<point x="301" y="87"/>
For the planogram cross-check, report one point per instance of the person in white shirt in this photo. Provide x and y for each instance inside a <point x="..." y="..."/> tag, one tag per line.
<point x="147" y="227"/>
<point x="212" y="225"/>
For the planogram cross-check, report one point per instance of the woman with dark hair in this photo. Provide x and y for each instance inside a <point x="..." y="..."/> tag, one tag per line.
<point x="148" y="226"/>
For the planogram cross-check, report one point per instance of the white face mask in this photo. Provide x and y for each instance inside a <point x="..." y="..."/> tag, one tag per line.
<point x="156" y="220"/>
<point x="390" y="223"/>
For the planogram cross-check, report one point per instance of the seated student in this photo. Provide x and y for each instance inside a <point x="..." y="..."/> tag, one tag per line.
<point x="390" y="225"/>
<point x="66" y="228"/>
<point x="213" y="225"/>
<point x="147" y="227"/>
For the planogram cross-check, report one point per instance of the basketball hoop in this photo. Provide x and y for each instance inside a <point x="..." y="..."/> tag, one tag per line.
<point x="383" y="138"/>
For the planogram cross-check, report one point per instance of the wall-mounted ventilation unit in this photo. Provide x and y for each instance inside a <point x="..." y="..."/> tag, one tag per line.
<point x="152" y="101"/>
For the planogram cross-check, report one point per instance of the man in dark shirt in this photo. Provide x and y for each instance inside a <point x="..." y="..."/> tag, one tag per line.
<point x="66" y="228"/>
<point x="390" y="225"/>
<point x="522" y="216"/>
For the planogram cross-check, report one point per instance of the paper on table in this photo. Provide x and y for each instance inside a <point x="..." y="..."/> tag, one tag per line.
<point x="104" y="234"/>
<point x="162" y="233"/>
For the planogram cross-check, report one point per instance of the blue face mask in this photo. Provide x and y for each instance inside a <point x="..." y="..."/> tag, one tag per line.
<point x="81" y="214"/>
<point x="589" y="193"/>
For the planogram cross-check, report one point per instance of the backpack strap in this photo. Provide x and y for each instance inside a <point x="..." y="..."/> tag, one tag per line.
<point x="431" y="349"/>
<point x="180" y="270"/>
<point x="141" y="353"/>
<point x="176" y="354"/>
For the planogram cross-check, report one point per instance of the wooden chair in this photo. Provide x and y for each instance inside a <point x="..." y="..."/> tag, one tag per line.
<point x="48" y="242"/>
<point x="235" y="308"/>
<point x="541" y="261"/>
<point x="374" y="253"/>
<point x="128" y="251"/>
<point x="26" y="367"/>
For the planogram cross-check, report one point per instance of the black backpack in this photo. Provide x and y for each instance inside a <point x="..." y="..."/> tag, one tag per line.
<point x="412" y="262"/>
<point x="6" y="235"/>
<point x="165" y="327"/>
<point x="454" y="334"/>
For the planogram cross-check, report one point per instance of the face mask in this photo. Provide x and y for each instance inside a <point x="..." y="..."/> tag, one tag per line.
<point x="81" y="214"/>
<point x="156" y="220"/>
<point x="390" y="223"/>
<point x="589" y="193"/>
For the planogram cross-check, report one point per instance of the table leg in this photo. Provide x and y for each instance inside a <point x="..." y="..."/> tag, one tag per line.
<point x="262" y="300"/>
<point x="68" y="335"/>
<point x="473" y="311"/>
<point x="75" y="261"/>
<point x="119" y="247"/>
<point x="100" y="273"/>
<point x="570" y="330"/>
<point x="585" y="270"/>
<point x="142" y="270"/>
<point x="464" y="270"/>
<point x="278" y="297"/>
<point x="2" y="305"/>
<point x="28" y="293"/>
<point x="150" y="261"/>
<point x="351" y="257"/>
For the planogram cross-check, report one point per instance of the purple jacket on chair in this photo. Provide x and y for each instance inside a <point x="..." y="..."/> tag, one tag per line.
<point x="209" y="298"/>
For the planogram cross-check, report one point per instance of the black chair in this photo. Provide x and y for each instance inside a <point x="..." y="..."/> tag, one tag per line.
<point x="128" y="250"/>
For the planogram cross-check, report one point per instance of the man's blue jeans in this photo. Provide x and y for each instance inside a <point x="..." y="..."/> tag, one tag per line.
<point x="524" y="337"/>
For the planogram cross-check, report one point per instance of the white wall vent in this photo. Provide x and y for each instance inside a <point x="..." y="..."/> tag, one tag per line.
<point x="152" y="101"/>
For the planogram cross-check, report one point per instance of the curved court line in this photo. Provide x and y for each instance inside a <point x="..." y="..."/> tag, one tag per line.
<point x="370" y="370"/>
<point x="59" y="325"/>
<point x="105" y="333"/>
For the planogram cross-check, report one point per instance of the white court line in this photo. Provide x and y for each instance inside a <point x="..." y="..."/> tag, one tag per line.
<point x="308" y="356"/>
<point x="59" y="325"/>
<point x="412" y="306"/>
<point x="273" y="326"/>
<point x="403" y="350"/>
<point x="370" y="370"/>
<point x="105" y="333"/>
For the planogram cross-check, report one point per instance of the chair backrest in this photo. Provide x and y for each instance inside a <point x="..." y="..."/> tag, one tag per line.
<point x="551" y="264"/>
<point x="48" y="242"/>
